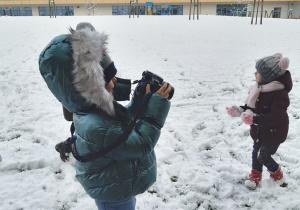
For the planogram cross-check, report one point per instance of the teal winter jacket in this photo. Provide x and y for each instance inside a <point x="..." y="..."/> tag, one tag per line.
<point x="70" y="65"/>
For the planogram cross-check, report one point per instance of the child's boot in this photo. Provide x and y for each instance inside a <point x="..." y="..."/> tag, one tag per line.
<point x="255" y="176"/>
<point x="277" y="175"/>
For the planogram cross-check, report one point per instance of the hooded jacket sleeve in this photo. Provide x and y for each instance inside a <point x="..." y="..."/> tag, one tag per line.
<point x="145" y="134"/>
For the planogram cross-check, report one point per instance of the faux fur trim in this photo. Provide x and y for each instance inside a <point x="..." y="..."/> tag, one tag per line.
<point x="88" y="47"/>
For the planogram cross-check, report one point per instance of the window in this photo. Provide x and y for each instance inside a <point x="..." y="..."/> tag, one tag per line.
<point x="157" y="10"/>
<point x="114" y="10"/>
<point x="64" y="11"/>
<point x="44" y="11"/>
<point x="232" y="9"/>
<point x="120" y="10"/>
<point x="276" y="12"/>
<point x="135" y="9"/>
<point x="142" y="10"/>
<point x="176" y="9"/>
<point x="16" y="11"/>
<point x="60" y="11"/>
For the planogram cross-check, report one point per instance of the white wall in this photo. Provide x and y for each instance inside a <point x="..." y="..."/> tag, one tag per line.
<point x="295" y="6"/>
<point x="205" y="9"/>
<point x="208" y="8"/>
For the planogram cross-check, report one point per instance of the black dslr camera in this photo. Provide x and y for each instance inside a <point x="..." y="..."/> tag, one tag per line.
<point x="155" y="81"/>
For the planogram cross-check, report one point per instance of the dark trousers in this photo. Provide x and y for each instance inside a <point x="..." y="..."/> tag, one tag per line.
<point x="261" y="156"/>
<point x="128" y="204"/>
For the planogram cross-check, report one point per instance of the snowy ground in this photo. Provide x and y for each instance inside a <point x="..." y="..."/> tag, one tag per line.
<point x="203" y="154"/>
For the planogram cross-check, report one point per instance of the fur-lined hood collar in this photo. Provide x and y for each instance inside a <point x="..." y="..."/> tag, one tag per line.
<point x="88" y="76"/>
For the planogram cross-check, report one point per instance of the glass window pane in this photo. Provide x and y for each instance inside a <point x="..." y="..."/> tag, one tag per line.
<point x="16" y="11"/>
<point x="232" y="9"/>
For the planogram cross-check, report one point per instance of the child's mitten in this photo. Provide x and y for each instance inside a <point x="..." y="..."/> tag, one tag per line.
<point x="234" y="111"/>
<point x="247" y="117"/>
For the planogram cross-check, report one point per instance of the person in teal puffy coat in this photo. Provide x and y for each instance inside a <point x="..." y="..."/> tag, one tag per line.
<point x="70" y="65"/>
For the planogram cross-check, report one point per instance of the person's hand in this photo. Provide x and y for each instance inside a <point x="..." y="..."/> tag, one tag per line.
<point x="163" y="91"/>
<point x="247" y="117"/>
<point x="233" y="111"/>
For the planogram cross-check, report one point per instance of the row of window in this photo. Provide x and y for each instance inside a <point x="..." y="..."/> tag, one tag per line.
<point x="241" y="10"/>
<point x="222" y="9"/>
<point x="16" y="11"/>
<point x="148" y="10"/>
<point x="58" y="11"/>
<point x="43" y="11"/>
<point x="116" y="10"/>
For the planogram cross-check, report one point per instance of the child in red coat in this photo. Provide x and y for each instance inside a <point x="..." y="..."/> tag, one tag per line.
<point x="266" y="113"/>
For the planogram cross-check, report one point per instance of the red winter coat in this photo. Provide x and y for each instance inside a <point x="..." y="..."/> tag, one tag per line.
<point x="271" y="124"/>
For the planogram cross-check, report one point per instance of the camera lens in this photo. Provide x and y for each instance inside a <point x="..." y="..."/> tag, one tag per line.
<point x="171" y="93"/>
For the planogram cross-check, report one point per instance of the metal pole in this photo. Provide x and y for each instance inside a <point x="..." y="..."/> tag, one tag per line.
<point x="253" y="9"/>
<point x="194" y="10"/>
<point x="49" y="9"/>
<point x="190" y="10"/>
<point x="261" y="15"/>
<point x="138" y="14"/>
<point x="256" y="12"/>
<point x="198" y="8"/>
<point x="54" y="8"/>
<point x="129" y="8"/>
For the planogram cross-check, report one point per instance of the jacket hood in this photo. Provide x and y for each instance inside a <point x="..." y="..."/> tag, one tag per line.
<point x="70" y="65"/>
<point x="286" y="80"/>
<point x="88" y="76"/>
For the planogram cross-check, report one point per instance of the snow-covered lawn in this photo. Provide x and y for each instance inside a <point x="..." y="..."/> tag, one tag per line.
<point x="203" y="154"/>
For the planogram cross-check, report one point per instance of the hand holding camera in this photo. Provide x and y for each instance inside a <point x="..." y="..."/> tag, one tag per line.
<point x="151" y="82"/>
<point x="164" y="91"/>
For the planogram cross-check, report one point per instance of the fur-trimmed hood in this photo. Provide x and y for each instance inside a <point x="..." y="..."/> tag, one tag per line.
<point x="88" y="76"/>
<point x="70" y="65"/>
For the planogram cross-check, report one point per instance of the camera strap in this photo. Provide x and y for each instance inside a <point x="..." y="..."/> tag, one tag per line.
<point x="112" y="146"/>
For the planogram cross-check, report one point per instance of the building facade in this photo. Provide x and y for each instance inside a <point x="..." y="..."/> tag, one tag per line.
<point x="271" y="9"/>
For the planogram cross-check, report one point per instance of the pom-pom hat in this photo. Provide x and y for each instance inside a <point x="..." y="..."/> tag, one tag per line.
<point x="272" y="67"/>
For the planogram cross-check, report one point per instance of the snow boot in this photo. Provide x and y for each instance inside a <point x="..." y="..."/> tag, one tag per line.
<point x="277" y="175"/>
<point x="255" y="176"/>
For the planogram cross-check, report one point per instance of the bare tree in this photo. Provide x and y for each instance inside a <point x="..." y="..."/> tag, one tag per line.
<point x="241" y="7"/>
<point x="90" y="6"/>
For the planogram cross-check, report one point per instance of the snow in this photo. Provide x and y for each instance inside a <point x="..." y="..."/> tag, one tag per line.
<point x="203" y="154"/>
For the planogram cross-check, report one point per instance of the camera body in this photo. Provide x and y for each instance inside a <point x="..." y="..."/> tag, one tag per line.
<point x="155" y="81"/>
